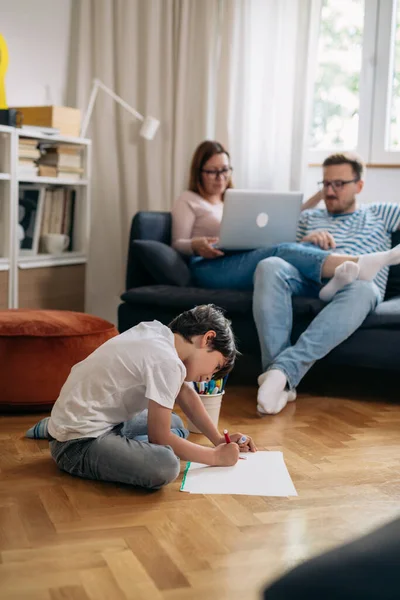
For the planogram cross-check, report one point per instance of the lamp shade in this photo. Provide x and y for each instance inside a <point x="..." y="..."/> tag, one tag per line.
<point x="149" y="128"/>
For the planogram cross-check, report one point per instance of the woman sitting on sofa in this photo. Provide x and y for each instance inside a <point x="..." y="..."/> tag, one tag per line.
<point x="196" y="221"/>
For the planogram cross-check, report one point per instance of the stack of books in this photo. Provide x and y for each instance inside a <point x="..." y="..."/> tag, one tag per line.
<point x="28" y="154"/>
<point x="58" y="212"/>
<point x="63" y="161"/>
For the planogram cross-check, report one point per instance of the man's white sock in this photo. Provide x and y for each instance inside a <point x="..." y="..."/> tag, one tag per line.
<point x="292" y="394"/>
<point x="345" y="273"/>
<point x="371" y="264"/>
<point x="272" y="397"/>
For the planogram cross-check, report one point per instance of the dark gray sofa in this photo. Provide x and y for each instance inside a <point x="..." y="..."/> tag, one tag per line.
<point x="375" y="345"/>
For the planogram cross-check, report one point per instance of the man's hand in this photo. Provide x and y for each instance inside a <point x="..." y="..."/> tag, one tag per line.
<point x="203" y="247"/>
<point x="323" y="239"/>
<point x="245" y="442"/>
<point x="226" y="455"/>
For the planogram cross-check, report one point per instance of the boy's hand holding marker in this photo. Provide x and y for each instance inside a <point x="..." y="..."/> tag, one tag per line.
<point x="229" y="449"/>
<point x="223" y="454"/>
<point x="244" y="442"/>
<point x="233" y="445"/>
<point x="227" y="454"/>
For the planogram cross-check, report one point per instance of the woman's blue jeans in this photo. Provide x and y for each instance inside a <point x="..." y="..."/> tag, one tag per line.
<point x="236" y="270"/>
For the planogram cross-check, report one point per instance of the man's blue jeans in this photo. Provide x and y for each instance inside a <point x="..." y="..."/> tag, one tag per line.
<point x="122" y="455"/>
<point x="275" y="282"/>
<point x="236" y="270"/>
<point x="278" y="273"/>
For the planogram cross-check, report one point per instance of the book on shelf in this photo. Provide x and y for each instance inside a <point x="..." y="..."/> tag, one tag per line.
<point x="60" y="148"/>
<point x="62" y="169"/>
<point x="47" y="171"/>
<point x="65" y="158"/>
<point x="26" y="162"/>
<point x="31" y="154"/>
<point x="69" y="176"/>
<point x="25" y="141"/>
<point x="27" y="169"/>
<point x="28" y="150"/>
<point x="28" y="154"/>
<point x="58" y="213"/>
<point x="61" y="160"/>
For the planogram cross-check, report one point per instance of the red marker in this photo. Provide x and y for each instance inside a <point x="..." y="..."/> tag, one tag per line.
<point x="227" y="438"/>
<point x="228" y="441"/>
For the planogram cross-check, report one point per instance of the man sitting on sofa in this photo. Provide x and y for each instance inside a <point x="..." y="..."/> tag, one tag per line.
<point x="347" y="229"/>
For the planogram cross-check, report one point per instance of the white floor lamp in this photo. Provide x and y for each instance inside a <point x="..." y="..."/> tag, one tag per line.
<point x="150" y="124"/>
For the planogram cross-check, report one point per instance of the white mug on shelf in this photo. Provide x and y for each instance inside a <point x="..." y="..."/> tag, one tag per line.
<point x="55" y="243"/>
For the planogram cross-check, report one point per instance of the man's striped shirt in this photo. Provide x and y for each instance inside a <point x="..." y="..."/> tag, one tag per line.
<point x="364" y="231"/>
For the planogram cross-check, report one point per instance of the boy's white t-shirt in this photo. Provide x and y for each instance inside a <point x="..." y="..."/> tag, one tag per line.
<point x="117" y="381"/>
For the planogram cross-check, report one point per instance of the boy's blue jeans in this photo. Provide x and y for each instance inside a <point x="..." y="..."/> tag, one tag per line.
<point x="122" y="455"/>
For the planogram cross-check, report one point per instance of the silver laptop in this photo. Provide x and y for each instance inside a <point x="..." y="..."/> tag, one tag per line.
<point x="255" y="219"/>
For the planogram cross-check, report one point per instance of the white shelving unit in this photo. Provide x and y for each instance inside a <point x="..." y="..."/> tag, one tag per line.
<point x="52" y="181"/>
<point x="11" y="259"/>
<point x="7" y="214"/>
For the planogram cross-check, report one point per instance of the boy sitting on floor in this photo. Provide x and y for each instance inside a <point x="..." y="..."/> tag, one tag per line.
<point x="99" y="427"/>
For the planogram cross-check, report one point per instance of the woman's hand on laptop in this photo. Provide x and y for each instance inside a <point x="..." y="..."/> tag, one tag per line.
<point x="203" y="246"/>
<point x="323" y="239"/>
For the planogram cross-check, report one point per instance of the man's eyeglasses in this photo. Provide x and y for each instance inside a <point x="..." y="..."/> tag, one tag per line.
<point x="215" y="173"/>
<point x="337" y="184"/>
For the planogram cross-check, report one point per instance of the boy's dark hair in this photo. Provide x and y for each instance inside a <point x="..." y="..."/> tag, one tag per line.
<point x="346" y="158"/>
<point x="203" y="318"/>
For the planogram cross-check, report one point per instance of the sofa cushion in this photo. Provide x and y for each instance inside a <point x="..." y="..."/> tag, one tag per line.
<point x="393" y="284"/>
<point x="163" y="262"/>
<point x="185" y="298"/>
<point x="387" y="314"/>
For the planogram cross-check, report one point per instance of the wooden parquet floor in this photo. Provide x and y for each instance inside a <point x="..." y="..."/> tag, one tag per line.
<point x="62" y="538"/>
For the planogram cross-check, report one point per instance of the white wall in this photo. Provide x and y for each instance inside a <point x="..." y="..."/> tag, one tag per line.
<point x="37" y="34"/>
<point x="381" y="185"/>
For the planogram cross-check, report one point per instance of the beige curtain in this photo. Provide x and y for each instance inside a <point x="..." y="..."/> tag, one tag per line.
<point x="268" y="55"/>
<point x="158" y="55"/>
<point x="239" y="71"/>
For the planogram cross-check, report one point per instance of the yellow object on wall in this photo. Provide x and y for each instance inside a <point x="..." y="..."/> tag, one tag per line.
<point x="3" y="70"/>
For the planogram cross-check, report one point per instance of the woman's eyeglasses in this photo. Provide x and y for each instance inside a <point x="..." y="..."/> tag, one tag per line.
<point x="216" y="173"/>
<point x="338" y="184"/>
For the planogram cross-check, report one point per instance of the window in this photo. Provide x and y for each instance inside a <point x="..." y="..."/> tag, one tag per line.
<point x="394" y="126"/>
<point x="337" y="84"/>
<point x="356" y="101"/>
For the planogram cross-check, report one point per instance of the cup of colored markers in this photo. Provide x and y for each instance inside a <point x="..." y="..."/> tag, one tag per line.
<point x="210" y="388"/>
<point x="210" y="393"/>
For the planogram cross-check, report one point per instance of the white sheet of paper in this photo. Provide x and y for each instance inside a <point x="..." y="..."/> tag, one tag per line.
<point x="261" y="474"/>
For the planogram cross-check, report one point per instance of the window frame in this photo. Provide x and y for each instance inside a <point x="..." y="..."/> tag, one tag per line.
<point x="375" y="87"/>
<point x="386" y="25"/>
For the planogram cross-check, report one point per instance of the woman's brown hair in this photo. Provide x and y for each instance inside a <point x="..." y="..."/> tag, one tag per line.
<point x="202" y="154"/>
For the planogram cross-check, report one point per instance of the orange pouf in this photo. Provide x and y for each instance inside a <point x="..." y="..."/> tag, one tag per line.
<point x="38" y="349"/>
